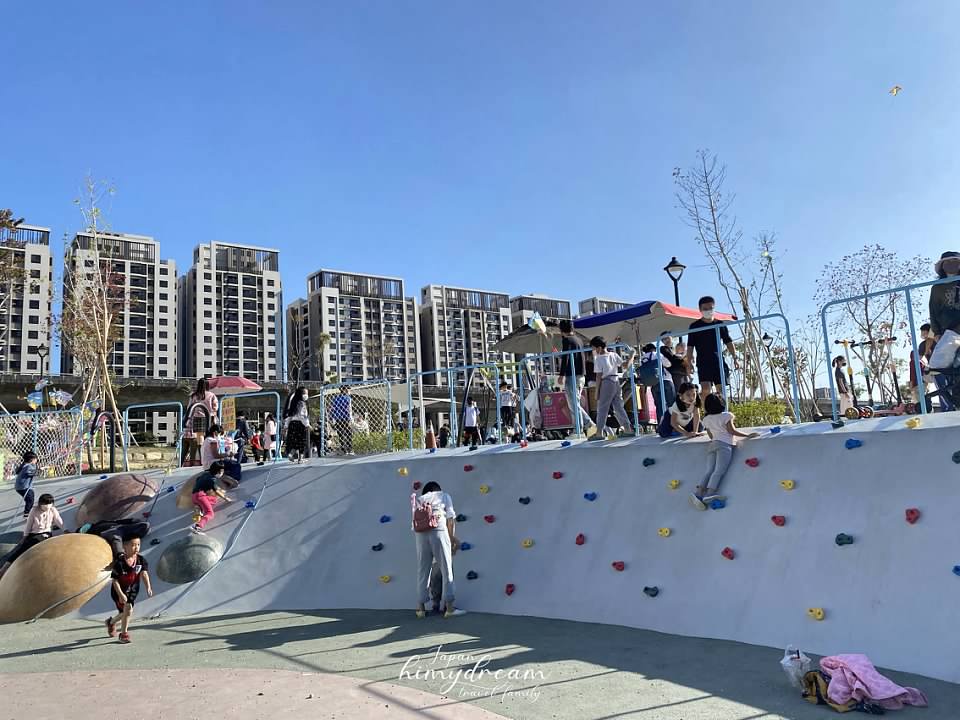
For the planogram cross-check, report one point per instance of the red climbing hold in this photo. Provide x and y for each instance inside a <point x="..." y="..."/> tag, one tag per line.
<point x="779" y="520"/>
<point x="146" y="514"/>
<point x="490" y="518"/>
<point x="752" y="462"/>
<point x="581" y="539"/>
<point x="69" y="501"/>
<point x="467" y="468"/>
<point x="557" y="475"/>
<point x="728" y="553"/>
<point x="912" y="515"/>
<point x="619" y="565"/>
<point x="509" y="588"/>
<point x="416" y="485"/>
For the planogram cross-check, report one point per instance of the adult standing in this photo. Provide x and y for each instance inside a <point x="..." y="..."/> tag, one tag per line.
<point x="571" y="365"/>
<point x="434" y="525"/>
<point x="704" y="346"/>
<point x="298" y="425"/>
<point x="341" y="413"/>
<point x="840" y="380"/>
<point x="196" y="423"/>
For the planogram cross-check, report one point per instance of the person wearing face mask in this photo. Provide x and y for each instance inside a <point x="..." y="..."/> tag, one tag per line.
<point x="843" y="387"/>
<point x="298" y="426"/>
<point x="704" y="345"/>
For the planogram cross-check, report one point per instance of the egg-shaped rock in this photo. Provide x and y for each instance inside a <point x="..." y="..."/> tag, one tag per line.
<point x="55" y="577"/>
<point x="188" y="559"/>
<point x="116" y="497"/>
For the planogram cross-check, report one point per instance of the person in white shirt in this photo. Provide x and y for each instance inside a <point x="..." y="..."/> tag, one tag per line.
<point x="607" y="364"/>
<point x="508" y="406"/>
<point x="42" y="520"/>
<point x="435" y="543"/>
<point x="719" y="424"/>
<point x="471" y="424"/>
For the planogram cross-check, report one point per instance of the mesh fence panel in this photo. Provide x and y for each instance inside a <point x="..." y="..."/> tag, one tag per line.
<point x="358" y="421"/>
<point x="56" y="437"/>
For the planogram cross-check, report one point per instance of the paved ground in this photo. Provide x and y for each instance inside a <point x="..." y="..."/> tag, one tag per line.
<point x="548" y="669"/>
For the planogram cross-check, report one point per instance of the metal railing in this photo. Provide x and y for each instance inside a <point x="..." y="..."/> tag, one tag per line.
<point x="140" y="406"/>
<point x="55" y="436"/>
<point x="265" y="393"/>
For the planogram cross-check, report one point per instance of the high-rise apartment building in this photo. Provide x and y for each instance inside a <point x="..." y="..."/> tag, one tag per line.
<point x="146" y="344"/>
<point x="597" y="305"/>
<point x="231" y="313"/>
<point x="522" y="308"/>
<point x="459" y="326"/>
<point x="25" y="300"/>
<point x="352" y="326"/>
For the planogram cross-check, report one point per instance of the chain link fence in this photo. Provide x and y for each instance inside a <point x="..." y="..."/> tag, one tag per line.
<point x="355" y="419"/>
<point x="55" y="436"/>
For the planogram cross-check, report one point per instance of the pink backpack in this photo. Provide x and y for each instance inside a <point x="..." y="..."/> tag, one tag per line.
<point x="424" y="516"/>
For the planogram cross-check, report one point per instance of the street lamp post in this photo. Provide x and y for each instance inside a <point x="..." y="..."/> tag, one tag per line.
<point x="675" y="269"/>
<point x="42" y="352"/>
<point x="767" y="343"/>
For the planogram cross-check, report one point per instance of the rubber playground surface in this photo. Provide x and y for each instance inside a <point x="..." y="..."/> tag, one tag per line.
<point x="387" y="664"/>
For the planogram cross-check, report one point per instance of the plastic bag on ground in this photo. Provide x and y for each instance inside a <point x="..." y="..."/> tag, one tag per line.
<point x="795" y="664"/>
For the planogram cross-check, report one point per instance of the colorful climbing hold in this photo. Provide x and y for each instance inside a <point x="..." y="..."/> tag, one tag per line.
<point x="787" y="484"/>
<point x="752" y="462"/>
<point x="775" y="430"/>
<point x="70" y="501"/>
<point x="956" y="569"/>
<point x="377" y="548"/>
<point x="490" y="518"/>
<point x="843" y="539"/>
<point x="591" y="496"/>
<point x="527" y="543"/>
<point x="103" y="477"/>
<point x="557" y="475"/>
<point x="468" y="468"/>
<point x="484" y="489"/>
<point x="403" y="471"/>
<point x="664" y="532"/>
<point x="816" y="613"/>
<point x="718" y="504"/>
<point x="779" y="520"/>
<point x="651" y="591"/>
<point x="524" y="501"/>
<point x="472" y="575"/>
<point x="728" y="553"/>
<point x="384" y="518"/>
<point x="618" y="565"/>
<point x="581" y="539"/>
<point x="384" y="579"/>
<point x="465" y="546"/>
<point x="956" y="457"/>
<point x="674" y="484"/>
<point x="647" y="462"/>
<point x="416" y="484"/>
<point x="912" y="515"/>
<point x="146" y="514"/>
<point x="565" y="443"/>
<point x="913" y="423"/>
<point x="510" y="588"/>
<point x="171" y="489"/>
<point x="853" y="443"/>
<point x="432" y="450"/>
<point x="461" y="517"/>
<point x="251" y="504"/>
<point x="155" y="541"/>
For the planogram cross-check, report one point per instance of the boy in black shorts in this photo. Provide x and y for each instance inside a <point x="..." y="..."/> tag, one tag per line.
<point x="128" y="571"/>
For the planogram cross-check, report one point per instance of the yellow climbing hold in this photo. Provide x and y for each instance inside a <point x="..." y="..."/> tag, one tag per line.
<point x="403" y="471"/>
<point x="527" y="543"/>
<point x="663" y="532"/>
<point x="913" y="423"/>
<point x="787" y="484"/>
<point x="816" y="613"/>
<point x="484" y="489"/>
<point x="384" y="579"/>
<point x="674" y="484"/>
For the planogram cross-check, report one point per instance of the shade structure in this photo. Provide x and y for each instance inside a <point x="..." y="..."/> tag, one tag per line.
<point x="230" y="385"/>
<point x="527" y="341"/>
<point x="642" y="323"/>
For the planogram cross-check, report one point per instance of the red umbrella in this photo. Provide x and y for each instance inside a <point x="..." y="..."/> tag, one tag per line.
<point x="229" y="385"/>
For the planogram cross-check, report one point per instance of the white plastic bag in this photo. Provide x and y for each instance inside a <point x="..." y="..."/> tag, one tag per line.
<point x="944" y="355"/>
<point x="795" y="664"/>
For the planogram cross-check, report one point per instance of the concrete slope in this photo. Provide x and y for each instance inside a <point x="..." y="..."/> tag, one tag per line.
<point x="891" y="594"/>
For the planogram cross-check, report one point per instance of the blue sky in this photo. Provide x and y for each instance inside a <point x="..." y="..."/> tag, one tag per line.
<point x="512" y="146"/>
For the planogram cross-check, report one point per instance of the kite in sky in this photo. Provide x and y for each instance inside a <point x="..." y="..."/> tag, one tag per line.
<point x="895" y="90"/>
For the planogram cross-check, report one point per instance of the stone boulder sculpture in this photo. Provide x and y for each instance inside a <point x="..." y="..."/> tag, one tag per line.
<point x="188" y="559"/>
<point x="116" y="497"/>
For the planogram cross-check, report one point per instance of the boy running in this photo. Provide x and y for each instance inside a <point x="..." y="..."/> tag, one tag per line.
<point x="127" y="573"/>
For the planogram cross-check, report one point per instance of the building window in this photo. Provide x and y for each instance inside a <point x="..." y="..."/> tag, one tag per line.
<point x="207" y="276"/>
<point x="208" y="313"/>
<point x="33" y="334"/>
<point x="208" y="365"/>
<point x="34" y="304"/>
<point x="164" y="296"/>
<point x="162" y="373"/>
<point x="34" y="319"/>
<point x="163" y="271"/>
<point x="208" y="326"/>
<point x="163" y="321"/>
<point x="208" y="301"/>
<point x="162" y="333"/>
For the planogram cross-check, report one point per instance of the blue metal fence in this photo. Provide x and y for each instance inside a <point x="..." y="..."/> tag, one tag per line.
<point x="141" y="406"/>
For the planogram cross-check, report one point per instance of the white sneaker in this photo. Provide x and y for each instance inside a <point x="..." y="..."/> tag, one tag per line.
<point x="456" y="612"/>
<point x="591" y="431"/>
<point x="697" y="503"/>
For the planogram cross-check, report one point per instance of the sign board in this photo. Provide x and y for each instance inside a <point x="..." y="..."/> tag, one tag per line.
<point x="555" y="411"/>
<point x="228" y="413"/>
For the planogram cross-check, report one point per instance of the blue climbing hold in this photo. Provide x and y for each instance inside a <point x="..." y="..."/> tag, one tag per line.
<point x="472" y="575"/>
<point x="171" y="489"/>
<point x="250" y="504"/>
<point x="384" y="518"/>
<point x="718" y="504"/>
<point x="956" y="457"/>
<point x="461" y="518"/>
<point x="565" y="443"/>
<point x="432" y="450"/>
<point x="524" y="501"/>
<point x="956" y="569"/>
<point x="853" y="443"/>
<point x="155" y="541"/>
<point x="775" y="430"/>
<point x="591" y="496"/>
<point x="377" y="548"/>
<point x="647" y="462"/>
<point x="465" y="546"/>
<point x="103" y="477"/>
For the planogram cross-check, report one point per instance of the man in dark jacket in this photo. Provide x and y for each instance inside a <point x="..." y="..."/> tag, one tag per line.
<point x="571" y="365"/>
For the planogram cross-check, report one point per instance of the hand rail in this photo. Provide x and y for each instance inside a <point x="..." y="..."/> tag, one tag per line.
<point x="140" y="406"/>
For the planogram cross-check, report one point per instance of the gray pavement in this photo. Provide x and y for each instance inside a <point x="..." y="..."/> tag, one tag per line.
<point x="547" y="668"/>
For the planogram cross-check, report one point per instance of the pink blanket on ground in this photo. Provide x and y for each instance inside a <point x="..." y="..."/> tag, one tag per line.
<point x="853" y="677"/>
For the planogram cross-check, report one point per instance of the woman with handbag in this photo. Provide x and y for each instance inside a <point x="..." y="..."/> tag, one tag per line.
<point x="434" y="522"/>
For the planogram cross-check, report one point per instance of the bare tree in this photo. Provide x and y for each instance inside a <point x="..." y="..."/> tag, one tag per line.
<point x="377" y="353"/>
<point x="870" y="322"/>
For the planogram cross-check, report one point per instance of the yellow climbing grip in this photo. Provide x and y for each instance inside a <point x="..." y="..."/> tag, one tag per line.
<point x="403" y="471"/>
<point x="787" y="484"/>
<point x="674" y="484"/>
<point x="384" y="579"/>
<point x="913" y="423"/>
<point x="527" y="543"/>
<point x="484" y="489"/>
<point x="816" y="613"/>
<point x="664" y="532"/>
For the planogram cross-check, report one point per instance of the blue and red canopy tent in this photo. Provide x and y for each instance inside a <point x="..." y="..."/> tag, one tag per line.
<point x="642" y="323"/>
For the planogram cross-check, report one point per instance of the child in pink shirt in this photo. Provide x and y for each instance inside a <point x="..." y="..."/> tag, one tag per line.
<point x="41" y="522"/>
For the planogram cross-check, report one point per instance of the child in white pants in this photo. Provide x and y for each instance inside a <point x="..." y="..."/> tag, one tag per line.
<point x="719" y="424"/>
